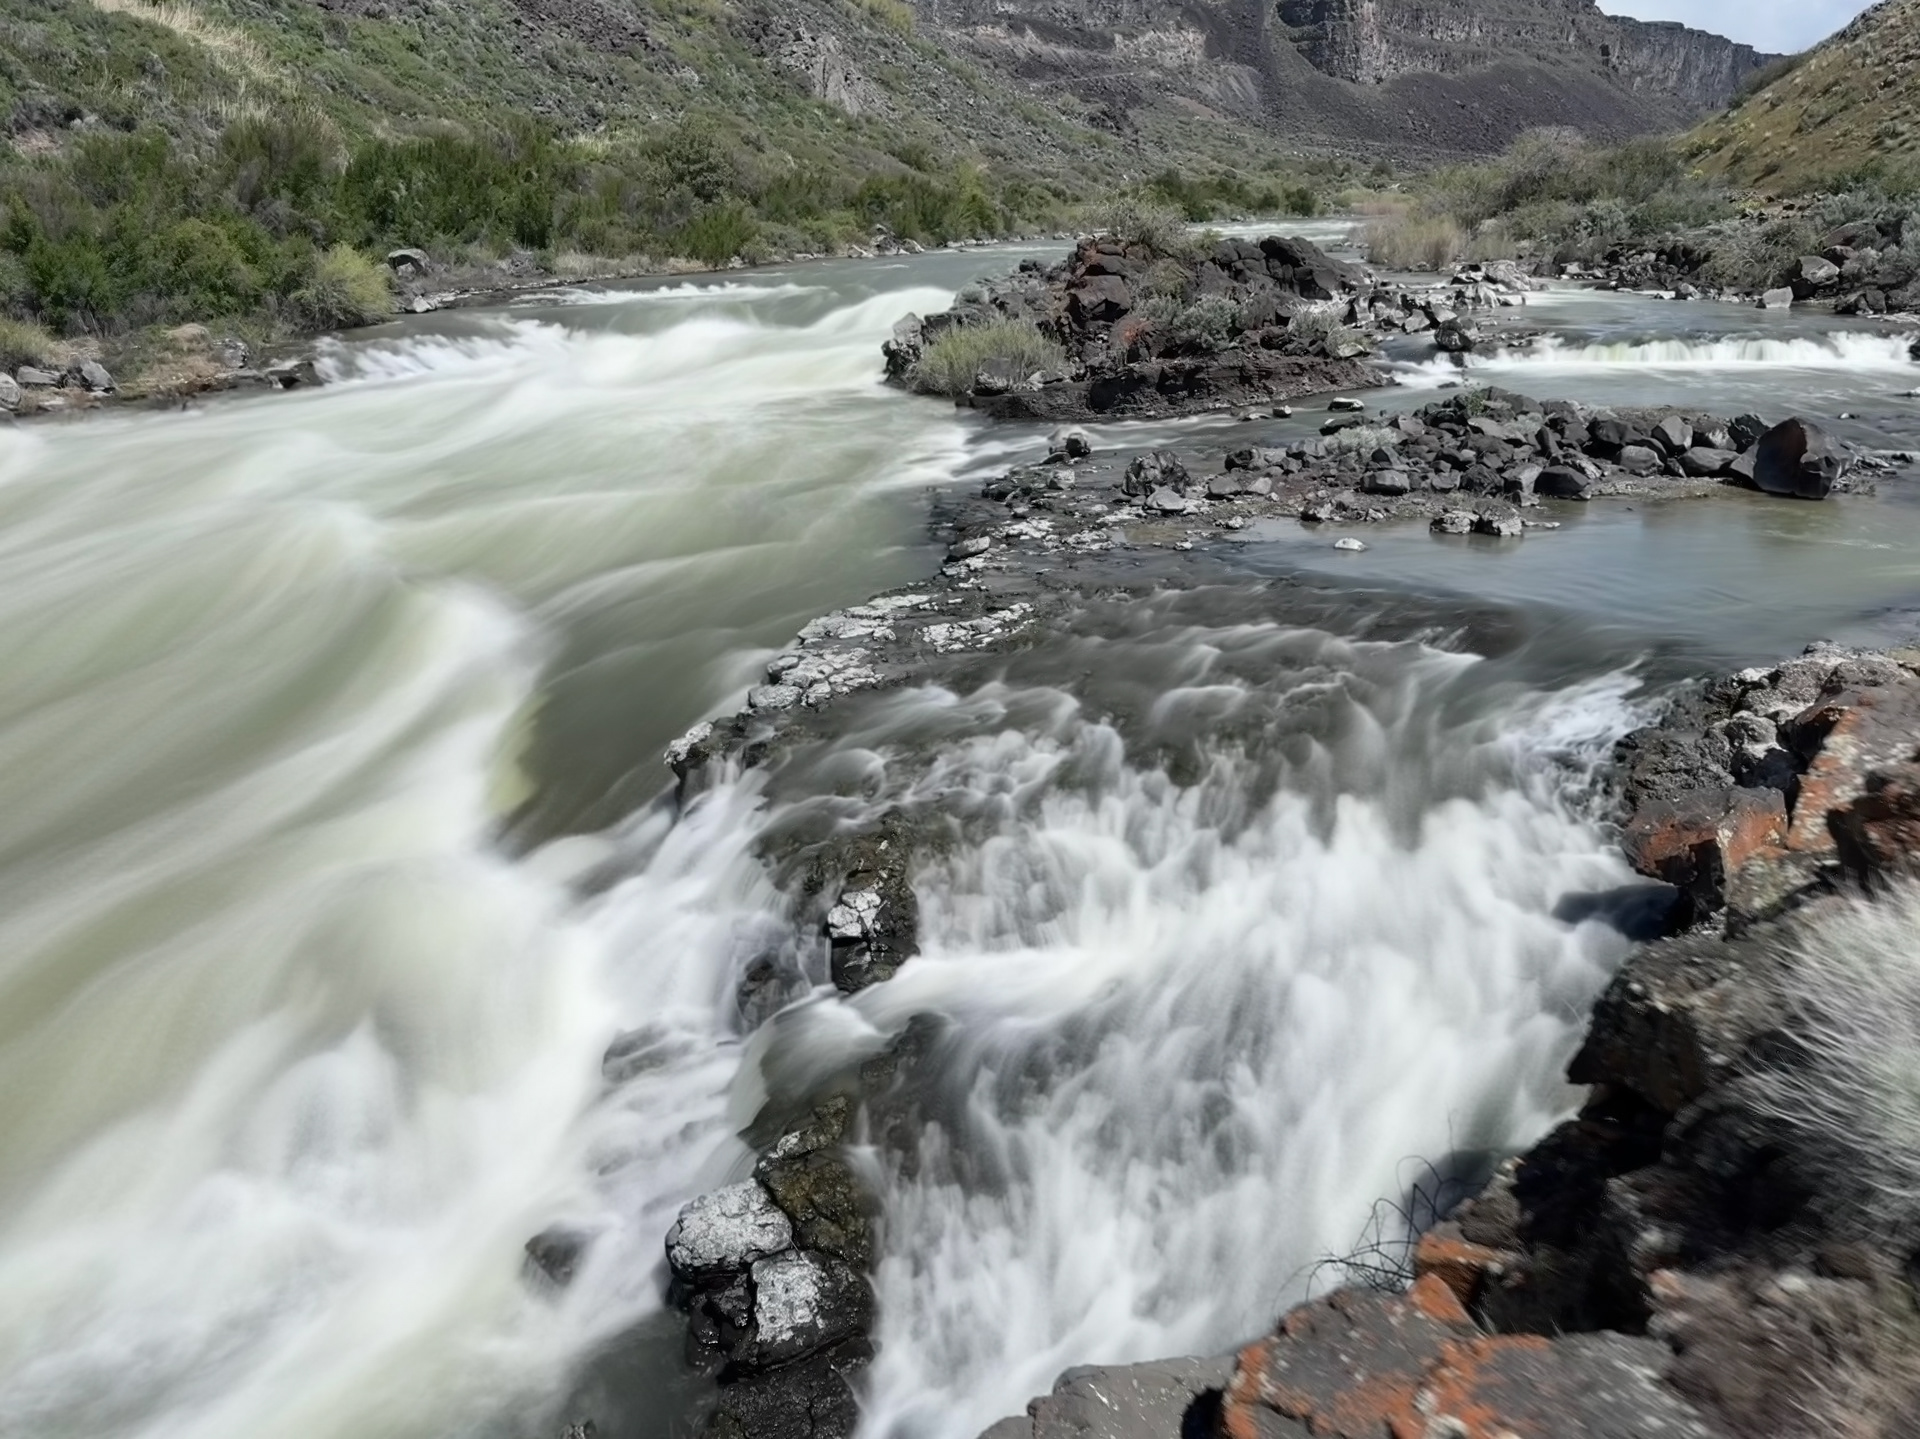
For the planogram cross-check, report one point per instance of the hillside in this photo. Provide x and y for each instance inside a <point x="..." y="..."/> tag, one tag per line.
<point x="1850" y="111"/>
<point x="175" y="160"/>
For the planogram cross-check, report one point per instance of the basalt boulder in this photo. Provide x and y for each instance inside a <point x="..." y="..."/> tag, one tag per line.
<point x="1799" y="459"/>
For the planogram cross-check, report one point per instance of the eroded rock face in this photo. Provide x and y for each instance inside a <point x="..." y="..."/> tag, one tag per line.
<point x="1751" y="785"/>
<point x="1169" y="1399"/>
<point x="1370" y="41"/>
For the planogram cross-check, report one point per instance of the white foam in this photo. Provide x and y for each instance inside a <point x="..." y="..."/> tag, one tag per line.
<point x="1192" y="1036"/>
<point x="1849" y="350"/>
<point x="733" y="291"/>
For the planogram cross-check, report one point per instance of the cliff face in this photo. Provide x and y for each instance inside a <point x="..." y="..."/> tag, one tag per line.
<point x="1369" y="41"/>
<point x="1362" y="72"/>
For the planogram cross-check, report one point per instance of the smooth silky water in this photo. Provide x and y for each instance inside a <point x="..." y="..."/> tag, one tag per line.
<point x="331" y="727"/>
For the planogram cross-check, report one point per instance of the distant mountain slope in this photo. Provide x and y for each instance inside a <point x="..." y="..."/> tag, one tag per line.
<point x="1849" y="110"/>
<point x="1073" y="90"/>
<point x="1411" y="77"/>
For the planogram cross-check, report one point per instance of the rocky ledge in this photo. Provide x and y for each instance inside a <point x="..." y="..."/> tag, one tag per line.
<point x="1721" y="1244"/>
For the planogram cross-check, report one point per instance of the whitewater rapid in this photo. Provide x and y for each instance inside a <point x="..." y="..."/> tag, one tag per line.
<point x="294" y="1055"/>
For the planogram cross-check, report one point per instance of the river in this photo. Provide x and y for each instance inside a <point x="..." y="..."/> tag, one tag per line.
<point x="330" y="856"/>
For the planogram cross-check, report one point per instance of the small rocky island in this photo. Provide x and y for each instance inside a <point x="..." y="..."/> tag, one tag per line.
<point x="1144" y="326"/>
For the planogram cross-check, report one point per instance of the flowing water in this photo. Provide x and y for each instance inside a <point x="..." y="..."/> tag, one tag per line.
<point x="330" y="859"/>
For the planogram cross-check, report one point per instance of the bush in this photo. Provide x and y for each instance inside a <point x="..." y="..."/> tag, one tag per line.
<point x="1769" y="74"/>
<point x="1156" y="227"/>
<point x="950" y="364"/>
<point x="1208" y="324"/>
<point x="716" y="234"/>
<point x="23" y="343"/>
<point x="1168" y="278"/>
<point x="450" y="190"/>
<point x="1321" y="328"/>
<point x="346" y="289"/>
<point x="894" y="14"/>
<point x="1411" y="242"/>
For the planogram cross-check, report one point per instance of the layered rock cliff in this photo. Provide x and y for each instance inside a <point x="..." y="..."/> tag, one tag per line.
<point x="1410" y="75"/>
<point x="1371" y="41"/>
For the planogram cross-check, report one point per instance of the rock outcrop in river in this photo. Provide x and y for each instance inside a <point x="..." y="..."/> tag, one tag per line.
<point x="1153" y="327"/>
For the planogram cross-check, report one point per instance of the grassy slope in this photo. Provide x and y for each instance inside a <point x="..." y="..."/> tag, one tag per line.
<point x="1850" y="113"/>
<point x="249" y="161"/>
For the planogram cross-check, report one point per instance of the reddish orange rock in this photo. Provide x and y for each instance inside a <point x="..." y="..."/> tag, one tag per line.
<point x="1461" y="1266"/>
<point x="1878" y="834"/>
<point x="1699" y="841"/>
<point x="1359" y="1365"/>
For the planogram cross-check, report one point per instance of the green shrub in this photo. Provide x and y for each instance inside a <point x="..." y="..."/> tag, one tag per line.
<point x="1167" y="277"/>
<point x="954" y="359"/>
<point x="450" y="190"/>
<point x="1321" y="327"/>
<point x="23" y="343"/>
<point x="893" y="14"/>
<point x="1208" y="324"/>
<point x="1414" y="242"/>
<point x="1769" y="74"/>
<point x="716" y="234"/>
<point x="346" y="288"/>
<point x="1300" y="200"/>
<point x="1133" y="222"/>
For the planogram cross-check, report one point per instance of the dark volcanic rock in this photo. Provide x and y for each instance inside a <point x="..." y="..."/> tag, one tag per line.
<point x="1798" y="458"/>
<point x="1170" y="1399"/>
<point x="814" y="1399"/>
<point x="1150" y="333"/>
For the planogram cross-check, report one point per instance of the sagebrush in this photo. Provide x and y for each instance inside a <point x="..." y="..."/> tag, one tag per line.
<point x="952" y="362"/>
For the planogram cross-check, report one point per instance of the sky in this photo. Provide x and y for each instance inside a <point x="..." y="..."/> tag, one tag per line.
<point x="1782" y="25"/>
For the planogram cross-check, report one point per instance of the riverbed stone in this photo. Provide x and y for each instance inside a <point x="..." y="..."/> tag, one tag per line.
<point x="1562" y="482"/>
<point x="1797" y="458"/>
<point x="802" y="1302"/>
<point x="774" y="698"/>
<point x="1641" y="460"/>
<point x="1072" y="443"/>
<point x="1161" y="1400"/>
<point x="1702" y="462"/>
<point x="11" y="393"/>
<point x="1674" y="434"/>
<point x="1779" y="299"/>
<point x="727" y="1231"/>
